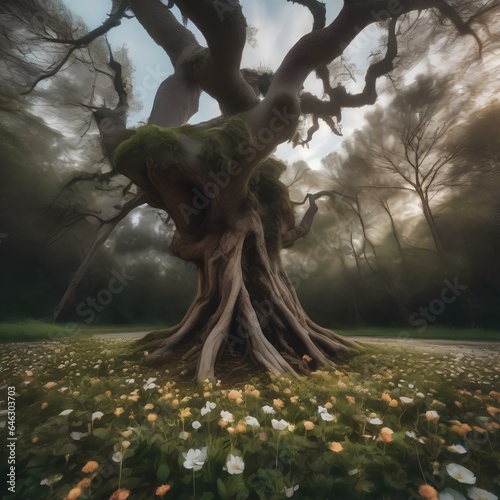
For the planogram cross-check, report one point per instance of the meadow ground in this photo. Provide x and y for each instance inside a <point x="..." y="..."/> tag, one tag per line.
<point x="400" y="420"/>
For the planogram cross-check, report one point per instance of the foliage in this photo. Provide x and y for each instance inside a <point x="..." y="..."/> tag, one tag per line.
<point x="379" y="426"/>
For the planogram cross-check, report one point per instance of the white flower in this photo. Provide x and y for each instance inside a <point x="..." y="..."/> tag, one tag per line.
<point x="64" y="413"/>
<point x="252" y="421"/>
<point x="352" y="472"/>
<point x="479" y="494"/>
<point x="183" y="435"/>
<point x="279" y="425"/>
<point x="226" y="416"/>
<point x="457" y="448"/>
<point x="97" y="415"/>
<point x="78" y="435"/>
<point x="196" y="425"/>
<point x="194" y="459"/>
<point x="322" y="409"/>
<point x="235" y="464"/>
<point x="117" y="457"/>
<point x="129" y="380"/>
<point x="449" y="494"/>
<point x="461" y="474"/>
<point x="209" y="406"/>
<point x="63" y="389"/>
<point x="51" y="479"/>
<point x="268" y="409"/>
<point x="405" y="400"/>
<point x="149" y="384"/>
<point x="375" y="421"/>
<point x="412" y="435"/>
<point x="327" y="417"/>
<point x="290" y="491"/>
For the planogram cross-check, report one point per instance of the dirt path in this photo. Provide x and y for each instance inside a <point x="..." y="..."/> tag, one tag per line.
<point x="439" y="346"/>
<point x="436" y="346"/>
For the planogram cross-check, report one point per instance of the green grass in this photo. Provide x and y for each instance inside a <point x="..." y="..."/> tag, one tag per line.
<point x="32" y="331"/>
<point x="397" y="419"/>
<point x="475" y="334"/>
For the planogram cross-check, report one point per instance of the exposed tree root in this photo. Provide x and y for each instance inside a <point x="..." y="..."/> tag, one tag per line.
<point x="245" y="303"/>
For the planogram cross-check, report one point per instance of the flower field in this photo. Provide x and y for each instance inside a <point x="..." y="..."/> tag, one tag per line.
<point x="92" y="422"/>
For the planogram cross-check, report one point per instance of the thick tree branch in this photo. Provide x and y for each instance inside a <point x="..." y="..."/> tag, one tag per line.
<point x="223" y="25"/>
<point x="164" y="29"/>
<point x="323" y="46"/>
<point x="339" y="98"/>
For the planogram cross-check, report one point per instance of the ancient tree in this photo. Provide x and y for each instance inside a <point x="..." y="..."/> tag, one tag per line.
<point x="217" y="181"/>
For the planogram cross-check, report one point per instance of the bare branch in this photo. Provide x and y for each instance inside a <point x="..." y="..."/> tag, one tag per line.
<point x="299" y="231"/>
<point x="105" y="229"/>
<point x="113" y="21"/>
<point x="323" y="46"/>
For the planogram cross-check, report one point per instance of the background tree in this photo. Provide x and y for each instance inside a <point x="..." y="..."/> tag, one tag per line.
<point x="234" y="230"/>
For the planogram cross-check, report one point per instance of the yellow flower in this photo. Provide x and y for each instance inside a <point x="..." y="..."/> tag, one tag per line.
<point x="328" y="405"/>
<point x="461" y="429"/>
<point x="120" y="494"/>
<point x="241" y="427"/>
<point x="127" y="433"/>
<point x="222" y="423"/>
<point x="90" y="466"/>
<point x="307" y="358"/>
<point x="386" y="397"/>
<point x="308" y="425"/>
<point x="118" y="411"/>
<point x="336" y="447"/>
<point x="428" y="492"/>
<point x="49" y="385"/>
<point x="385" y="435"/>
<point x="34" y="439"/>
<point x="85" y="482"/>
<point x="233" y="395"/>
<point x="207" y="394"/>
<point x="125" y="444"/>
<point x="495" y="395"/>
<point x="152" y="417"/>
<point x="278" y="403"/>
<point x="492" y="410"/>
<point x="162" y="490"/>
<point x="74" y="494"/>
<point x="44" y="405"/>
<point x="294" y="399"/>
<point x="149" y="406"/>
<point x="352" y="400"/>
<point x="432" y="416"/>
<point x="393" y="403"/>
<point x="185" y="413"/>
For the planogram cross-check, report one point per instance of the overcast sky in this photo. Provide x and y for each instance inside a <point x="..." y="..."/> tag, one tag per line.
<point x="280" y="24"/>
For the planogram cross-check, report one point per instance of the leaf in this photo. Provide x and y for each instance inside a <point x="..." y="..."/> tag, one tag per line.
<point x="221" y="488"/>
<point x="207" y="496"/>
<point x="163" y="472"/>
<point x="67" y="448"/>
<point x="103" y="433"/>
